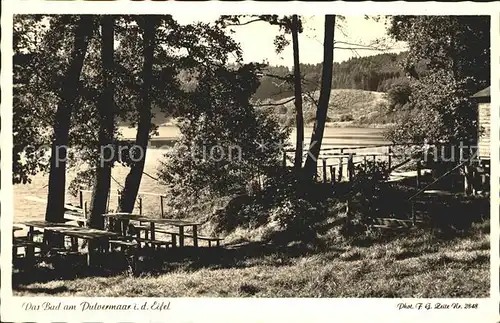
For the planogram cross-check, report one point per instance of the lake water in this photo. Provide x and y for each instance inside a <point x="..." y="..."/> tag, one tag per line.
<point x="24" y="208"/>
<point x="333" y="137"/>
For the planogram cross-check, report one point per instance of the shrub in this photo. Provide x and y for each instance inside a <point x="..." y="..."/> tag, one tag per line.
<point x="309" y="116"/>
<point x="346" y="117"/>
<point x="398" y="94"/>
<point x="369" y="189"/>
<point x="282" y="109"/>
<point x="295" y="219"/>
<point x="225" y="142"/>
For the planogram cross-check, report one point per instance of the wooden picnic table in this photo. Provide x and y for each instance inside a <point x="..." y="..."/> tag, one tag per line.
<point x="180" y="224"/>
<point x="15" y="228"/>
<point x="94" y="237"/>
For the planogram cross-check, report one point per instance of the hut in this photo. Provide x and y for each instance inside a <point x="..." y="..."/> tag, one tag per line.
<point x="482" y="167"/>
<point x="484" y="102"/>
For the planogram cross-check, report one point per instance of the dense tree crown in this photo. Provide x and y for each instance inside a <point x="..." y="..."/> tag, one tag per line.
<point x="456" y="53"/>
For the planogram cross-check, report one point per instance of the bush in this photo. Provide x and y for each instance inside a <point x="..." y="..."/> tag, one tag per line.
<point x="309" y="116"/>
<point x="282" y="109"/>
<point x="285" y="211"/>
<point x="415" y="126"/>
<point x="225" y="142"/>
<point x="398" y="94"/>
<point x="371" y="195"/>
<point x="346" y="117"/>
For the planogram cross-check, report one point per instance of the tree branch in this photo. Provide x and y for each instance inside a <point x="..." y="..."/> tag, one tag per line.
<point x="361" y="48"/>
<point x="361" y="45"/>
<point x="311" y="97"/>
<point x="275" y="104"/>
<point x="245" y="23"/>
<point x="287" y="78"/>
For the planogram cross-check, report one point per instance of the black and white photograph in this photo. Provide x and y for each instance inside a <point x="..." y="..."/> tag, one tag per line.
<point x="251" y="156"/>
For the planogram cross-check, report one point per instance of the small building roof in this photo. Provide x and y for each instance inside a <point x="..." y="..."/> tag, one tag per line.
<point x="484" y="93"/>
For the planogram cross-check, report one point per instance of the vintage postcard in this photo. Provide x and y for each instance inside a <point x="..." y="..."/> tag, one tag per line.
<point x="249" y="161"/>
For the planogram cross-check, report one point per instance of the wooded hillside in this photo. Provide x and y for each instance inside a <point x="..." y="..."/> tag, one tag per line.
<point x="371" y="73"/>
<point x="375" y="73"/>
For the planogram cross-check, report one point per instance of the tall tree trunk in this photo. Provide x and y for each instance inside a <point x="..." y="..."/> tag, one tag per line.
<point x="133" y="180"/>
<point x="298" y="94"/>
<point x="324" y="98"/>
<point x="100" y="191"/>
<point x="69" y="91"/>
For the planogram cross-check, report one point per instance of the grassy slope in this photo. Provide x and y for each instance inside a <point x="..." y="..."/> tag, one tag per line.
<point x="418" y="264"/>
<point x="365" y="108"/>
<point x="347" y="107"/>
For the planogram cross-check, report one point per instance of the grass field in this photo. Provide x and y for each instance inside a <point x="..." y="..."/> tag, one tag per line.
<point x="417" y="264"/>
<point x="347" y="108"/>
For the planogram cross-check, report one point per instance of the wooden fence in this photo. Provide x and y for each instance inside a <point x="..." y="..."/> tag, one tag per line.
<point x="338" y="164"/>
<point x="114" y="200"/>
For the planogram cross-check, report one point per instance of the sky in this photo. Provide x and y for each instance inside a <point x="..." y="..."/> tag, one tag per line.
<point x="257" y="38"/>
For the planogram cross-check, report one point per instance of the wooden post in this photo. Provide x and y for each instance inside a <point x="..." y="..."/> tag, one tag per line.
<point x="85" y="210"/>
<point x="284" y="158"/>
<point x="389" y="157"/>
<point x="324" y="170"/>
<point x="195" y="235"/>
<point x="467" y="179"/>
<point x="30" y="250"/>
<point x="74" y="244"/>
<point x="348" y="213"/>
<point x="413" y="215"/>
<point x="152" y="228"/>
<point x="85" y="214"/>
<point x="107" y="201"/>
<point x="119" y="193"/>
<point x="332" y="174"/>
<point x="92" y="246"/>
<point x="181" y="236"/>
<point x="365" y="161"/>
<point x="80" y="193"/>
<point x="161" y="205"/>
<point x="173" y="237"/>
<point x="419" y="172"/>
<point x="140" y="205"/>
<point x="341" y="167"/>
<point x="350" y="167"/>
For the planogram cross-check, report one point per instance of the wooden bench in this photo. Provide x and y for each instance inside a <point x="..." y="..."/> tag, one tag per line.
<point x="125" y="245"/>
<point x="208" y="239"/>
<point x="28" y="245"/>
<point x="73" y="240"/>
<point x="135" y="230"/>
<point x="154" y="243"/>
<point x="74" y="216"/>
<point x="97" y="240"/>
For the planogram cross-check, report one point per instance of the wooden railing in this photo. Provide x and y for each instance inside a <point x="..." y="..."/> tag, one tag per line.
<point x="139" y="200"/>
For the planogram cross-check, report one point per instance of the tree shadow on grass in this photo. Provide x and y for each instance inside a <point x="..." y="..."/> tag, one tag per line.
<point x="149" y="262"/>
<point x="63" y="267"/>
<point x="243" y="255"/>
<point x="461" y="215"/>
<point x="44" y="290"/>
